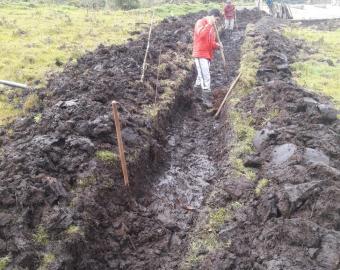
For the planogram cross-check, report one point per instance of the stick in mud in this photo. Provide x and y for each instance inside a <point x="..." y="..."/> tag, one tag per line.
<point x="115" y="115"/>
<point x="219" y="41"/>
<point x="226" y="96"/>
<point x="157" y="83"/>
<point x="147" y="48"/>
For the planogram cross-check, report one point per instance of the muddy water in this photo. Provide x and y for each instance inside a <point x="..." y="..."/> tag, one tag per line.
<point x="180" y="190"/>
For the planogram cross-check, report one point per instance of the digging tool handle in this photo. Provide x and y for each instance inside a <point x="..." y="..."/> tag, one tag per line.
<point x="115" y="115"/>
<point x="14" y="84"/>
<point x="221" y="48"/>
<point x="226" y="96"/>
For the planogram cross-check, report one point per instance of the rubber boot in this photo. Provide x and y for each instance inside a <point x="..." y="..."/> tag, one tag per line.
<point x="207" y="96"/>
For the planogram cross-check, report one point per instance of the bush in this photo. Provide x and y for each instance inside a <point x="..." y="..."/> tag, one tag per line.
<point x="127" y="4"/>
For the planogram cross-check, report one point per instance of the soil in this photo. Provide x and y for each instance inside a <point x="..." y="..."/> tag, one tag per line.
<point x="59" y="200"/>
<point x="294" y="222"/>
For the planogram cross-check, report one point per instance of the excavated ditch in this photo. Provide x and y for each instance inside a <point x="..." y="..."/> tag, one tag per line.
<point x="288" y="218"/>
<point x="62" y="200"/>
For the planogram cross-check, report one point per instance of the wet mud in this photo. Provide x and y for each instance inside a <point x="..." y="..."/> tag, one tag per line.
<point x="62" y="200"/>
<point x="291" y="221"/>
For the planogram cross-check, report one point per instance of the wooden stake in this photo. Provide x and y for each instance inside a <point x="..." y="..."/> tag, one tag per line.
<point x="226" y="96"/>
<point x="115" y="115"/>
<point x="221" y="48"/>
<point x="147" y="49"/>
<point x="157" y="82"/>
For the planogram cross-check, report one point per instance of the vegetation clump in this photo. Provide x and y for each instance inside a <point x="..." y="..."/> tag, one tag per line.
<point x="319" y="68"/>
<point x="41" y="236"/>
<point x="48" y="258"/>
<point x="106" y="156"/>
<point x="4" y="261"/>
<point x="261" y="185"/>
<point x="31" y="102"/>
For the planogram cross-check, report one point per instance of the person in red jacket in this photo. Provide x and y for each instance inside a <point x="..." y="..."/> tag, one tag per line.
<point x="203" y="48"/>
<point x="229" y="16"/>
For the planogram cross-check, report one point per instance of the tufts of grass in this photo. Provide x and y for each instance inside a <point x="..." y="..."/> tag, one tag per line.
<point x="106" y="156"/>
<point x="319" y="70"/>
<point x="7" y="111"/>
<point x="31" y="103"/>
<point x="37" y="118"/>
<point x="48" y="258"/>
<point x="41" y="236"/>
<point x="241" y="123"/>
<point x="263" y="183"/>
<point x="243" y="143"/>
<point x="4" y="261"/>
<point x="219" y="217"/>
<point x="206" y="240"/>
<point x="73" y="229"/>
<point x="87" y="181"/>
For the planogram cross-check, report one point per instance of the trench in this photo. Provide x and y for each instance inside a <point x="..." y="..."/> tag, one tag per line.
<point x="189" y="174"/>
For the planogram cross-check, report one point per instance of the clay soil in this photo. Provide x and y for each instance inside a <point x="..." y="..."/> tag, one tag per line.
<point x="64" y="206"/>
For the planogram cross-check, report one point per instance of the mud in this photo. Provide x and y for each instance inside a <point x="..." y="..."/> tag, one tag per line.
<point x="61" y="203"/>
<point x="64" y="207"/>
<point x="293" y="223"/>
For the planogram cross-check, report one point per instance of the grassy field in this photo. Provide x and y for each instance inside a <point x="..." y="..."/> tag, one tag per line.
<point x="319" y="70"/>
<point x="38" y="39"/>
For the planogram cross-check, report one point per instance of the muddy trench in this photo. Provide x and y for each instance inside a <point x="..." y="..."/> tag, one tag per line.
<point x="63" y="203"/>
<point x="163" y="215"/>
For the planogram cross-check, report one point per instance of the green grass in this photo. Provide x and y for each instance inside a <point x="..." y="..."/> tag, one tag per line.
<point x="106" y="156"/>
<point x="41" y="236"/>
<point x="46" y="261"/>
<point x="4" y="261"/>
<point x="39" y="39"/>
<point x="240" y="121"/>
<point x="311" y="70"/>
<point x="73" y="229"/>
<point x="261" y="185"/>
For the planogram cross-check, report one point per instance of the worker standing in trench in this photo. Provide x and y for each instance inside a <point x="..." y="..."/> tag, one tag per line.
<point x="203" y="49"/>
<point x="229" y="17"/>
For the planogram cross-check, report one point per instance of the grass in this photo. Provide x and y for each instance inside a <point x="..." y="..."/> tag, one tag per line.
<point x="261" y="185"/>
<point x="7" y="110"/>
<point x="4" y="261"/>
<point x="73" y="229"/>
<point x="207" y="238"/>
<point x="240" y="121"/>
<point x="46" y="261"/>
<point x="106" y="156"/>
<point x="320" y="70"/>
<point x="41" y="236"/>
<point x="40" y="39"/>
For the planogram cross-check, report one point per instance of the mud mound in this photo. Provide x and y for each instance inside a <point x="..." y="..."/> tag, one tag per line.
<point x="54" y="172"/>
<point x="293" y="223"/>
<point x="63" y="205"/>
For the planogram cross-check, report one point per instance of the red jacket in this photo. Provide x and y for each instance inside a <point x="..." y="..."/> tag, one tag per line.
<point x="229" y="11"/>
<point x="204" y="40"/>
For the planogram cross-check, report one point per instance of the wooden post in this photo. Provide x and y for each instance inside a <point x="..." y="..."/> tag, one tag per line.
<point x="147" y="48"/>
<point x="157" y="82"/>
<point x="219" y="41"/>
<point x="115" y="115"/>
<point x="226" y="96"/>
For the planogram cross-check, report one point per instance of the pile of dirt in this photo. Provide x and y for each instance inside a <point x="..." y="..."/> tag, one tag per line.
<point x="62" y="200"/>
<point x="55" y="175"/>
<point x="292" y="219"/>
